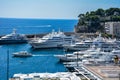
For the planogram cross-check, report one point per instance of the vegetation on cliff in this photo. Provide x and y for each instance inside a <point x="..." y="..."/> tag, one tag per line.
<point x="94" y="21"/>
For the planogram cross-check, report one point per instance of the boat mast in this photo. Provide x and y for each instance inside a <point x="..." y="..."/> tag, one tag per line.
<point x="14" y="31"/>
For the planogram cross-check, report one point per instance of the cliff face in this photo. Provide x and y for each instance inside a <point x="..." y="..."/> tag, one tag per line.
<point x="94" y="21"/>
<point x="80" y="29"/>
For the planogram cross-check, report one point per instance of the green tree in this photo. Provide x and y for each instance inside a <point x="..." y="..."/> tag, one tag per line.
<point x="100" y="12"/>
<point x="91" y="21"/>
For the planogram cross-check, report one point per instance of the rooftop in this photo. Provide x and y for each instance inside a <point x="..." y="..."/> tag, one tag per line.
<point x="106" y="72"/>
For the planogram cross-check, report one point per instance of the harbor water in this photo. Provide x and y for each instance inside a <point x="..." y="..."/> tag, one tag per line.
<point x="43" y="60"/>
<point x="35" y="26"/>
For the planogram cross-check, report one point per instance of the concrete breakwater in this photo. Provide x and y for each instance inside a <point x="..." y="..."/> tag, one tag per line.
<point x="41" y="35"/>
<point x="66" y="33"/>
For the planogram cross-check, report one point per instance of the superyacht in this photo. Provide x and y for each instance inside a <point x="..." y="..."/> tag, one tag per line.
<point x="13" y="38"/>
<point x="106" y="45"/>
<point x="78" y="46"/>
<point x="52" y="40"/>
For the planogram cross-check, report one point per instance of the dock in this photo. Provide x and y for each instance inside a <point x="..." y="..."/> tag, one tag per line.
<point x="42" y="34"/>
<point x="66" y="33"/>
<point x="105" y="71"/>
<point x="77" y="70"/>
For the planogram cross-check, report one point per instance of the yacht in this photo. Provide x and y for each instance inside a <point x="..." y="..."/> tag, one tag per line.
<point x="106" y="45"/>
<point x="78" y="46"/>
<point x="13" y="38"/>
<point x="78" y="55"/>
<point x="67" y="57"/>
<point x="116" y="52"/>
<point x="101" y="57"/>
<point x="22" y="54"/>
<point x="52" y="40"/>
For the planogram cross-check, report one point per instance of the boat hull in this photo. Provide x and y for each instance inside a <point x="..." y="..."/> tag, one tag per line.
<point x="12" y="41"/>
<point x="63" y="58"/>
<point x="46" y="45"/>
<point x="71" y="48"/>
<point x="22" y="55"/>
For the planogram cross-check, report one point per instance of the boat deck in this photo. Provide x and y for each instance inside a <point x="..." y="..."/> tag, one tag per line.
<point x="46" y="76"/>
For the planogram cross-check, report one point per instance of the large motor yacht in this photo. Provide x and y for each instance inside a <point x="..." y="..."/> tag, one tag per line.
<point x="52" y="40"/>
<point x="76" y="55"/>
<point x="106" y="45"/>
<point x="13" y="38"/>
<point x="78" y="46"/>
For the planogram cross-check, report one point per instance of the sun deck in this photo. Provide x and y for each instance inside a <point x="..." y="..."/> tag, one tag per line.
<point x="46" y="76"/>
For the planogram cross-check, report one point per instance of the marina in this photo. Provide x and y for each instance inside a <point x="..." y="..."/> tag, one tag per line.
<point x="41" y="57"/>
<point x="81" y="72"/>
<point x="87" y="64"/>
<point x="86" y="60"/>
<point x="59" y="40"/>
<point x="89" y="58"/>
<point x="90" y="64"/>
<point x="37" y="63"/>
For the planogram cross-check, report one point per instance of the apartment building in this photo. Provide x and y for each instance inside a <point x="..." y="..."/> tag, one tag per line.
<point x="112" y="28"/>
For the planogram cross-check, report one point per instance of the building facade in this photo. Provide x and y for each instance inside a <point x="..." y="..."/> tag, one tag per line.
<point x="112" y="28"/>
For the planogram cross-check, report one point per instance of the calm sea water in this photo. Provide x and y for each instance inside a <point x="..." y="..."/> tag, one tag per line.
<point x="42" y="60"/>
<point x="34" y="26"/>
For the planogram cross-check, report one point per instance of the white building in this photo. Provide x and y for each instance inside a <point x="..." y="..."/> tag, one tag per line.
<point x="112" y="28"/>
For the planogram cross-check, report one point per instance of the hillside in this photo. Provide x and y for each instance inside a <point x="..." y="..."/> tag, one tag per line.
<point x="94" y="21"/>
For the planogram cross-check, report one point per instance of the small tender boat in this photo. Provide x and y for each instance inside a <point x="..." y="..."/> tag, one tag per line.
<point x="22" y="54"/>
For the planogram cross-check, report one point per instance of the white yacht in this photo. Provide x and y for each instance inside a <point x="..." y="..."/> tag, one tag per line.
<point x="101" y="57"/>
<point x="52" y="40"/>
<point x="78" y="55"/>
<point x="22" y="54"/>
<point x="106" y="45"/>
<point x="116" y="52"/>
<point x="78" y="46"/>
<point x="13" y="38"/>
<point x="66" y="57"/>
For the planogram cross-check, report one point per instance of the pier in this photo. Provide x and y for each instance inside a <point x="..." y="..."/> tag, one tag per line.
<point x="29" y="36"/>
<point x="66" y="33"/>
<point x="41" y="35"/>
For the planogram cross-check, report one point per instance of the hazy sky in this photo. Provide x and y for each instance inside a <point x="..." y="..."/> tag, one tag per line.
<point x="62" y="9"/>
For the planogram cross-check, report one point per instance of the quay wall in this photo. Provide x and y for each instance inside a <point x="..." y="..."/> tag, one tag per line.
<point x="66" y="33"/>
<point x="41" y="35"/>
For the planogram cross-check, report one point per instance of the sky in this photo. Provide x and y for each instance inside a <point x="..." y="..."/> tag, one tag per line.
<point x="52" y="9"/>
